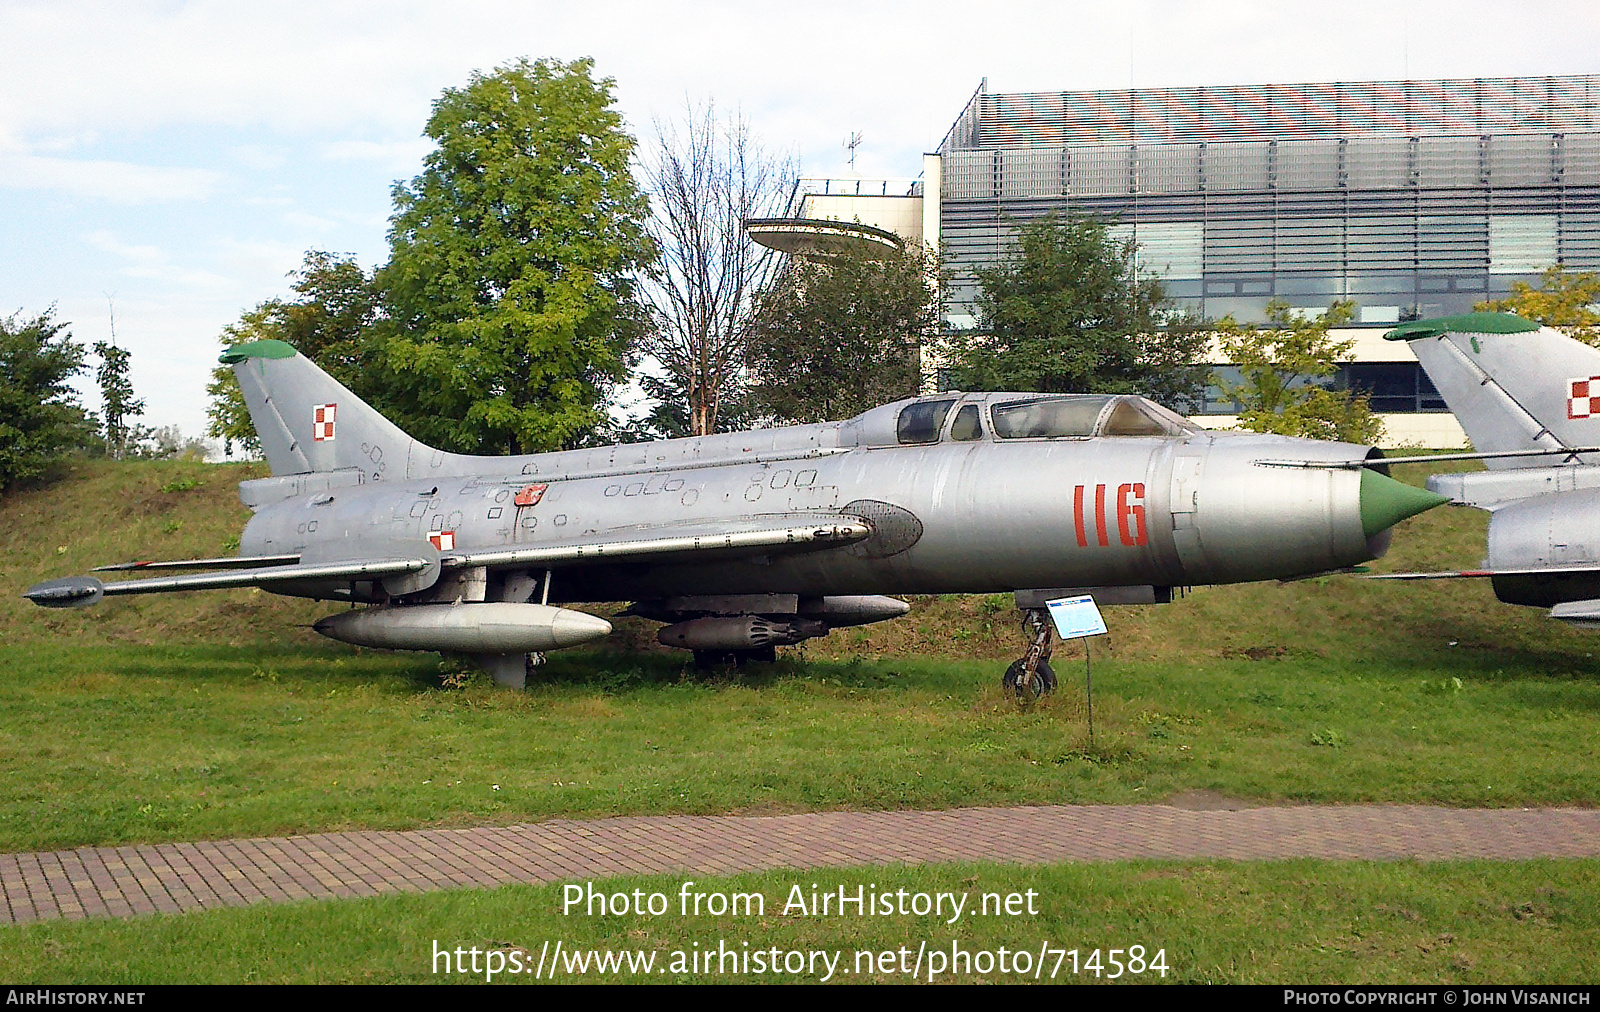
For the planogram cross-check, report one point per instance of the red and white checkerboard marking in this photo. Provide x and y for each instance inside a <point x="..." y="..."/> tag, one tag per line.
<point x="1582" y="397"/>
<point x="445" y="541"/>
<point x="322" y="422"/>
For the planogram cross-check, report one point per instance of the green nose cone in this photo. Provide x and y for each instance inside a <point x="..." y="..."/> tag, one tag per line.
<point x="1385" y="502"/>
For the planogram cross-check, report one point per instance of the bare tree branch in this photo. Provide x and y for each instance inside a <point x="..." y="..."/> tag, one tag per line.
<point x="704" y="183"/>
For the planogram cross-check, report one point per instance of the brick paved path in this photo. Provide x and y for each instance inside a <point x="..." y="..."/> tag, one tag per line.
<point x="125" y="881"/>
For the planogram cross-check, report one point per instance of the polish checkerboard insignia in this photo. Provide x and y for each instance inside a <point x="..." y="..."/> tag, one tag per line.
<point x="322" y="421"/>
<point x="444" y="541"/>
<point x="1583" y="397"/>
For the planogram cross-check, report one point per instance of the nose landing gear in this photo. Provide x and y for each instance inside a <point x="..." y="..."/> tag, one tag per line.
<point x="1030" y="676"/>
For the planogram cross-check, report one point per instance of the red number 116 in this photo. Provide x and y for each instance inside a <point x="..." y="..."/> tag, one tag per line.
<point x="1130" y="515"/>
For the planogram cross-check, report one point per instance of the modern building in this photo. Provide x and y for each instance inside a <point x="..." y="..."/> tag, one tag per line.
<point x="1411" y="198"/>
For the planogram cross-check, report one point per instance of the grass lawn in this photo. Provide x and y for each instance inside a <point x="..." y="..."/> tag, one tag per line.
<point x="1298" y="921"/>
<point x="212" y="715"/>
<point x="220" y="714"/>
<point x="140" y="743"/>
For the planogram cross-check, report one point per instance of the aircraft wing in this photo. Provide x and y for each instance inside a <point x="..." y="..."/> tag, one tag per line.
<point x="79" y="591"/>
<point x="227" y="562"/>
<point x="689" y="542"/>
<point x="1467" y="574"/>
<point x="1430" y="458"/>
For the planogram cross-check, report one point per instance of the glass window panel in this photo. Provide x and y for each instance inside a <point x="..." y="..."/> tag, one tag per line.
<point x="1170" y="248"/>
<point x="1174" y="423"/>
<point x="1048" y="418"/>
<point x="920" y="423"/>
<point x="1378" y="283"/>
<point x="1389" y="386"/>
<point x="1521" y="243"/>
<point x="1309" y="243"/>
<point x="1452" y="304"/>
<point x="1126" y="419"/>
<point x="966" y="427"/>
<point x="1216" y="401"/>
<point x="1243" y="310"/>
<point x="1290" y="284"/>
<point x="1240" y="245"/>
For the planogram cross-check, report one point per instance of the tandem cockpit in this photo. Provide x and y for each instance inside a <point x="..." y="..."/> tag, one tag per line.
<point x="962" y="418"/>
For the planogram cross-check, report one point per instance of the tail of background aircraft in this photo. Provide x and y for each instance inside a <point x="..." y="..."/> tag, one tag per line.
<point x="307" y="421"/>
<point x="1512" y="384"/>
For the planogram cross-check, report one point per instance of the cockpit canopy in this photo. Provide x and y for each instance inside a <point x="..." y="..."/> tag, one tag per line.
<point x="964" y="418"/>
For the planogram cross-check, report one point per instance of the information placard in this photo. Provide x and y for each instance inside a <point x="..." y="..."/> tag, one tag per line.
<point x="1076" y="617"/>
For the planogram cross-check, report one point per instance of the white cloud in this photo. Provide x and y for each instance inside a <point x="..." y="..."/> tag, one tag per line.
<point x="396" y="155"/>
<point x="151" y="263"/>
<point x="318" y="105"/>
<point x="302" y="222"/>
<point x="259" y="258"/>
<point x="261" y="157"/>
<point x="117" y="181"/>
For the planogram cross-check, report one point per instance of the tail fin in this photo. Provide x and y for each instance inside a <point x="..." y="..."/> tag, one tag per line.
<point x="1512" y="384"/>
<point x="307" y="421"/>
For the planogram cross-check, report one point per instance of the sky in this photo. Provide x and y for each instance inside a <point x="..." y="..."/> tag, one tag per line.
<point x="168" y="165"/>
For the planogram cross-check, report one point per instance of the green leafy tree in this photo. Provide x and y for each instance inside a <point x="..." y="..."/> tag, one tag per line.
<point x="510" y="282"/>
<point x="1070" y="312"/>
<point x="167" y="443"/>
<point x="40" y="418"/>
<point x="334" y="322"/>
<point x="840" y="334"/>
<point x="1282" y="364"/>
<point x="1564" y="300"/>
<point x="669" y="416"/>
<point x="118" y="403"/>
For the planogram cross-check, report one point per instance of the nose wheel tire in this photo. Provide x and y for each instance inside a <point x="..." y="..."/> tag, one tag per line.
<point x="1044" y="680"/>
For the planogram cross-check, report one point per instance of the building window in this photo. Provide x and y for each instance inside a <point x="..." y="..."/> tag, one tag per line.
<point x="1391" y="387"/>
<point x="1521" y="243"/>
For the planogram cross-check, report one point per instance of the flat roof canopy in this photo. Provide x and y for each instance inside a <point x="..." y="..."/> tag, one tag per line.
<point x="820" y="237"/>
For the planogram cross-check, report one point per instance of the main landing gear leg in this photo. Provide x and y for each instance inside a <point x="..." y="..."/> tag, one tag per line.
<point x="1029" y="675"/>
<point x="705" y="660"/>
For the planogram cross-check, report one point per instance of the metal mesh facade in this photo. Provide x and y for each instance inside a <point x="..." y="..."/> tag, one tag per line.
<point x="1414" y="198"/>
<point x="1279" y="111"/>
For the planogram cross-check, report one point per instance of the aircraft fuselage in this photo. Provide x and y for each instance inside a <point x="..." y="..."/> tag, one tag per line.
<point x="951" y="517"/>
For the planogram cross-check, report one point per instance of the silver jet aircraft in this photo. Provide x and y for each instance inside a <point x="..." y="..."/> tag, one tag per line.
<point x="748" y="540"/>
<point x="1526" y="395"/>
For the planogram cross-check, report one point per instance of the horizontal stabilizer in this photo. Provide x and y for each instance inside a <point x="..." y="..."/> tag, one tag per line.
<point x="1585" y="614"/>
